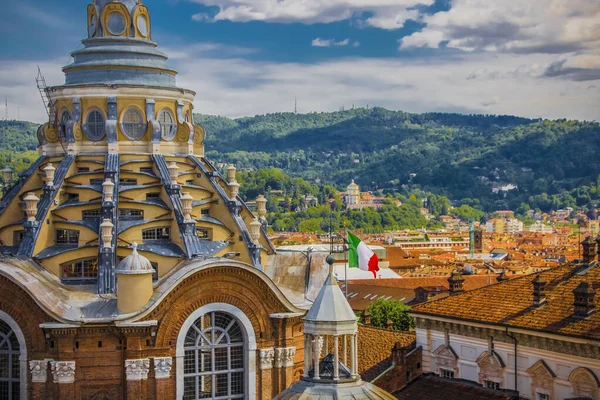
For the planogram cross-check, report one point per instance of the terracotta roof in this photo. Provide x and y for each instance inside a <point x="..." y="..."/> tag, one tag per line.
<point x="471" y="281"/>
<point x="513" y="303"/>
<point x="375" y="349"/>
<point x="361" y="294"/>
<point x="431" y="387"/>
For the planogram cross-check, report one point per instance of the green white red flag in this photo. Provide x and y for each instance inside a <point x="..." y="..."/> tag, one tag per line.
<point x="361" y="256"/>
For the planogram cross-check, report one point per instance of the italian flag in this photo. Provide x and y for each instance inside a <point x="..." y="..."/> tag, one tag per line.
<point x="360" y="256"/>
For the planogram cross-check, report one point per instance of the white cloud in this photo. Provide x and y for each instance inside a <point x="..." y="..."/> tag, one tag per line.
<point x="477" y="82"/>
<point x="517" y="26"/>
<point x="385" y="14"/>
<point x="318" y="42"/>
<point x="356" y="43"/>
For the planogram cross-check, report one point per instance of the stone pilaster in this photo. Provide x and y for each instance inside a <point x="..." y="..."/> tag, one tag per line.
<point x="284" y="362"/>
<point x="63" y="373"/>
<point x="162" y="376"/>
<point x="136" y="371"/>
<point x="39" y="376"/>
<point x="266" y="358"/>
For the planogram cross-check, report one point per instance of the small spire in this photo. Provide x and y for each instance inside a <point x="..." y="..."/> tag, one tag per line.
<point x="134" y="247"/>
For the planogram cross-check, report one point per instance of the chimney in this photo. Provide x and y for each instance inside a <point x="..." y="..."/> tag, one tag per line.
<point x="389" y="325"/>
<point x="367" y="318"/>
<point x="455" y="282"/>
<point x="539" y="291"/>
<point x="584" y="300"/>
<point x="502" y="277"/>
<point x="598" y="246"/>
<point x="589" y="249"/>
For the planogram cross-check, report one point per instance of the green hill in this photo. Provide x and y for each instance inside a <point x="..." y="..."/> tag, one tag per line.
<point x="460" y="156"/>
<point x="552" y="163"/>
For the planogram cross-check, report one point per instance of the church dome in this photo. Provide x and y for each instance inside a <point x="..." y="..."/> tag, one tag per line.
<point x="135" y="264"/>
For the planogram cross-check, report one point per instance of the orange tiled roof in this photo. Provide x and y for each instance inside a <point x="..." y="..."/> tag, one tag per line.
<point x="471" y="281"/>
<point x="513" y="303"/>
<point x="431" y="387"/>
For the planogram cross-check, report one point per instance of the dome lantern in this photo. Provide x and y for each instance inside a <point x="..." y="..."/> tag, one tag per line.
<point x="331" y="319"/>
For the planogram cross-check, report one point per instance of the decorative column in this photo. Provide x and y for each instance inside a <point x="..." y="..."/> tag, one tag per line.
<point x="39" y="376"/>
<point x="307" y="354"/>
<point x="162" y="375"/>
<point x="255" y="226"/>
<point x="49" y="170"/>
<point x="318" y="345"/>
<point x="108" y="190"/>
<point x="136" y="371"/>
<point x="231" y="174"/>
<point x="336" y="359"/>
<point x="63" y="373"/>
<point x="31" y="202"/>
<point x="173" y="173"/>
<point x="261" y="207"/>
<point x="186" y="205"/>
<point x="266" y="361"/>
<point x="107" y="233"/>
<point x="345" y="350"/>
<point x="354" y="355"/>
<point x="234" y="189"/>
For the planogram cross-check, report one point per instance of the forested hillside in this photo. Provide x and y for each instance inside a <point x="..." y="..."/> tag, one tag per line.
<point x="468" y="158"/>
<point x="18" y="142"/>
<point x="461" y="156"/>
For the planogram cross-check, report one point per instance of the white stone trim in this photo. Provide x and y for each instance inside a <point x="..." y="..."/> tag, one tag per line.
<point x="137" y="370"/>
<point x="39" y="371"/>
<point x="249" y="336"/>
<point x="266" y="357"/>
<point x="162" y="367"/>
<point x="284" y="357"/>
<point x="23" y="370"/>
<point x="63" y="371"/>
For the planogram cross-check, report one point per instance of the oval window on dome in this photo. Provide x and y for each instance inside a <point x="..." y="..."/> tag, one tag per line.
<point x="116" y="23"/>
<point x="95" y="127"/>
<point x="133" y="124"/>
<point x="142" y="25"/>
<point x="167" y="125"/>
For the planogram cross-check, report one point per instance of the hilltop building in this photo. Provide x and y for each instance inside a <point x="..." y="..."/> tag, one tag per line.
<point x="129" y="261"/>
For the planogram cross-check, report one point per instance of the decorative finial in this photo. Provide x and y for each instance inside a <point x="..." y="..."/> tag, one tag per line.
<point x="134" y="248"/>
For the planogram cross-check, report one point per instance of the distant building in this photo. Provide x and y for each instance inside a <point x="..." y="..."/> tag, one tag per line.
<point x="352" y="194"/>
<point x="540" y="227"/>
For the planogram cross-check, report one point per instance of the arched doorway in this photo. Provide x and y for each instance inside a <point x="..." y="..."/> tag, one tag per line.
<point x="13" y="360"/>
<point x="216" y="355"/>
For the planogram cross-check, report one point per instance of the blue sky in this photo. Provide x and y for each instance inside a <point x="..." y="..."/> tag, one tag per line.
<point x="538" y="58"/>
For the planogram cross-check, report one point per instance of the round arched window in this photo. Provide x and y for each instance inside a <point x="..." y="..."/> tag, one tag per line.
<point x="167" y="125"/>
<point x="95" y="126"/>
<point x="65" y="117"/>
<point x="10" y="367"/>
<point x="213" y="365"/>
<point x="133" y="124"/>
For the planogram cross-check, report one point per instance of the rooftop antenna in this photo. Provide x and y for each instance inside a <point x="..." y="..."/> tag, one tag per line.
<point x="295" y="105"/>
<point x="6" y="108"/>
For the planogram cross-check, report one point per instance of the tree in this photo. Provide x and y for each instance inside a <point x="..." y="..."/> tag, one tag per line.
<point x="382" y="310"/>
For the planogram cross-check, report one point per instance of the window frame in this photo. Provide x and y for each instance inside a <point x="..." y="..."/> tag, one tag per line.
<point x="95" y="136"/>
<point x="173" y="124"/>
<point x="126" y="125"/>
<point x="81" y="277"/>
<point x="156" y="229"/>
<point x="489" y="384"/>
<point x="69" y="238"/>
<point x="447" y="373"/>
<point x="18" y="236"/>
<point x="131" y="214"/>
<point x="94" y="211"/>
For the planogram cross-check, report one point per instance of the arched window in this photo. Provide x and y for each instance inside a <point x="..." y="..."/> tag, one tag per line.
<point x="213" y="365"/>
<point x="133" y="124"/>
<point x="95" y="128"/>
<point x="167" y="125"/>
<point x="10" y="365"/>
